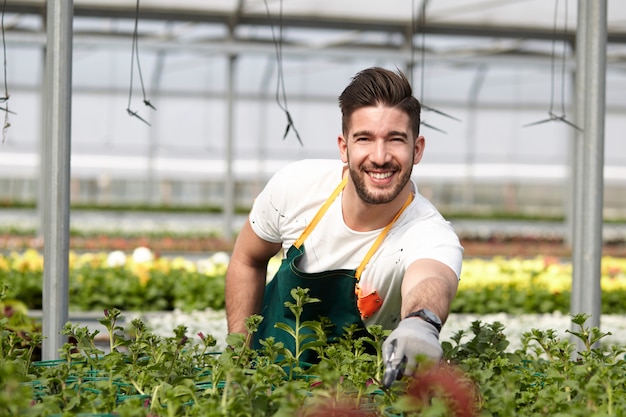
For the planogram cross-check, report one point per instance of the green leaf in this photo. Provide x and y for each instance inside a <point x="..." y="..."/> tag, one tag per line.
<point x="285" y="328"/>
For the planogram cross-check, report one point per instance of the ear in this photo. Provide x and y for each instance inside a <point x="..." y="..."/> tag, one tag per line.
<point x="420" y="144"/>
<point x="343" y="148"/>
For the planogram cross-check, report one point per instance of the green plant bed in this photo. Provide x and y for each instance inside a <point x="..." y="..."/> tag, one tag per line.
<point x="149" y="283"/>
<point x="146" y="375"/>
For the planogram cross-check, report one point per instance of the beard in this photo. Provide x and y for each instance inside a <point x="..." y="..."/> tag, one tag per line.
<point x="378" y="195"/>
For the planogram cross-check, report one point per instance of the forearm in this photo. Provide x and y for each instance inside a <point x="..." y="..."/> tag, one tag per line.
<point x="245" y="286"/>
<point x="246" y="276"/>
<point x="427" y="284"/>
<point x="434" y="290"/>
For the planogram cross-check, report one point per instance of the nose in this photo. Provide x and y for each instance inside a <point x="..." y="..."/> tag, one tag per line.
<point x="380" y="153"/>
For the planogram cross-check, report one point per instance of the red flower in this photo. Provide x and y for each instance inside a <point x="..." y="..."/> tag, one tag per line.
<point x="446" y="382"/>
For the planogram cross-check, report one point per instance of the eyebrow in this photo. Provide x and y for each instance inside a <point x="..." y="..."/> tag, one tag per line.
<point x="390" y="133"/>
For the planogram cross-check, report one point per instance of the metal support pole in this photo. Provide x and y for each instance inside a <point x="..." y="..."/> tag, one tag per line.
<point x="58" y="97"/>
<point x="44" y="150"/>
<point x="591" y="219"/>
<point x="575" y="222"/>
<point x="229" y="181"/>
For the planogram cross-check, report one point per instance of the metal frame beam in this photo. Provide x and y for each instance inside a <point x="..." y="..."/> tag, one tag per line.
<point x="345" y="23"/>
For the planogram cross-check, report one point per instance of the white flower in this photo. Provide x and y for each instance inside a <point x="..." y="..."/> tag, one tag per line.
<point x="142" y="254"/>
<point x="206" y="266"/>
<point x="116" y="258"/>
<point x="220" y="258"/>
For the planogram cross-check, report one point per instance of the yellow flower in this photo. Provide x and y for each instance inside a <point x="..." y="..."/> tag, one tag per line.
<point x="72" y="258"/>
<point x="142" y="271"/>
<point x="4" y="263"/>
<point x="183" y="264"/>
<point x="30" y="261"/>
<point x="162" y="264"/>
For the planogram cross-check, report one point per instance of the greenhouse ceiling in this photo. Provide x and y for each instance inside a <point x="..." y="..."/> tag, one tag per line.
<point x="505" y="30"/>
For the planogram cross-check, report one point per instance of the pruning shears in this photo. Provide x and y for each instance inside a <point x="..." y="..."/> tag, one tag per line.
<point x="394" y="368"/>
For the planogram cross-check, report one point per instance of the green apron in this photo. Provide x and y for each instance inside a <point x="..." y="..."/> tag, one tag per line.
<point x="335" y="289"/>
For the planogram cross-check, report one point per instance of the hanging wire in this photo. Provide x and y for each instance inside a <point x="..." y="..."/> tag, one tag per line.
<point x="135" y="54"/>
<point x="5" y="99"/>
<point x="281" y="95"/>
<point x="414" y="27"/>
<point x="553" y="117"/>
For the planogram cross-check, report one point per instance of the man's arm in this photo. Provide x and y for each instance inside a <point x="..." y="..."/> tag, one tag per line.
<point x="246" y="277"/>
<point x="428" y="284"/>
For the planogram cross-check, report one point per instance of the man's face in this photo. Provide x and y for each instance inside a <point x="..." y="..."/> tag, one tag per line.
<point x="380" y="151"/>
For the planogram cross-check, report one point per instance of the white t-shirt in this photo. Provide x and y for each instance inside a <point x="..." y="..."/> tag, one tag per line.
<point x="294" y="195"/>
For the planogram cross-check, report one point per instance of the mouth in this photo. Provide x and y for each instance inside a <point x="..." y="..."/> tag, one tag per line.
<point x="380" y="176"/>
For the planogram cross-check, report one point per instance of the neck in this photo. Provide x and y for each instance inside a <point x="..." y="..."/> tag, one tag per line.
<point x="364" y="217"/>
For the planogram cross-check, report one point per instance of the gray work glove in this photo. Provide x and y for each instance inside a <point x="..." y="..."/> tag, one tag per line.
<point x="411" y="338"/>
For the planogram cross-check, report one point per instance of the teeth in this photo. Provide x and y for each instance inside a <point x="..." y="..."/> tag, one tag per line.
<point x="380" y="175"/>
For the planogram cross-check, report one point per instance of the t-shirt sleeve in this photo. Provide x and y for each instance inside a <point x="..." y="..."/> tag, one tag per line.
<point x="292" y="197"/>
<point x="267" y="208"/>
<point x="443" y="246"/>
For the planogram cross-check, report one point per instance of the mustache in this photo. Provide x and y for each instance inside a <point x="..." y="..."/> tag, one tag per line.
<point x="388" y="166"/>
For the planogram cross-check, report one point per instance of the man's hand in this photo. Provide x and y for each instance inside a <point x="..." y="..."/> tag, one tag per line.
<point x="412" y="337"/>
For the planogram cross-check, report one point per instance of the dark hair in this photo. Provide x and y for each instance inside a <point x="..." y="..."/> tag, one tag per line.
<point x="376" y="86"/>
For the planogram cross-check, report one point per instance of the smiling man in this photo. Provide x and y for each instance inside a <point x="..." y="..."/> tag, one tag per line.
<point x="377" y="252"/>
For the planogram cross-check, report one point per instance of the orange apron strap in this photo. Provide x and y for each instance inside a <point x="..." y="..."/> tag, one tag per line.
<point x="380" y="239"/>
<point x="320" y="213"/>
